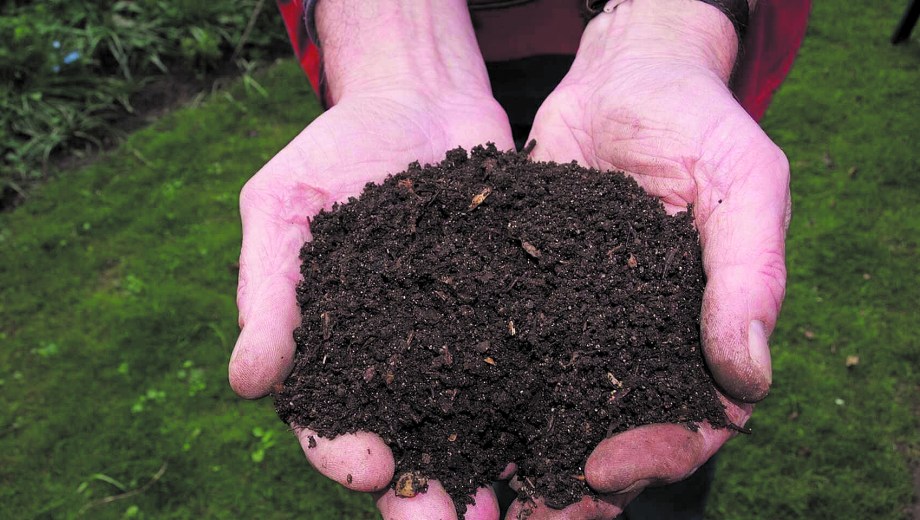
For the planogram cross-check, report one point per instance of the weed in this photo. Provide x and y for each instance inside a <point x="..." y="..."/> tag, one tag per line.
<point x="193" y="435"/>
<point x="266" y="440"/>
<point x="132" y="285"/>
<point x="193" y="377"/>
<point x="47" y="350"/>
<point x="151" y="396"/>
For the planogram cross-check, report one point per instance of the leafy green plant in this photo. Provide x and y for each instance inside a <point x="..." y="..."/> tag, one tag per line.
<point x="265" y="441"/>
<point x="69" y="69"/>
<point x="193" y="377"/>
<point x="132" y="285"/>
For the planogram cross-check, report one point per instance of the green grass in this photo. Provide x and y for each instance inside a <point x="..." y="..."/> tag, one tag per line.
<point x="117" y="311"/>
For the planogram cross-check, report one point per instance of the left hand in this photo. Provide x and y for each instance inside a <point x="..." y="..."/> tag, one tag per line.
<point x="409" y="84"/>
<point x="647" y="94"/>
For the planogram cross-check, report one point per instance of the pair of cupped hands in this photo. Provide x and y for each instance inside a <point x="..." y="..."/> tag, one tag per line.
<point x="642" y="96"/>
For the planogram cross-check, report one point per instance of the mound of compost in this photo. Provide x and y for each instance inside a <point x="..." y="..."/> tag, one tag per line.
<point x="491" y="309"/>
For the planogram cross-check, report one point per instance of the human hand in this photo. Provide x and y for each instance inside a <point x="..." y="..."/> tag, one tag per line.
<point x="648" y="94"/>
<point x="408" y="84"/>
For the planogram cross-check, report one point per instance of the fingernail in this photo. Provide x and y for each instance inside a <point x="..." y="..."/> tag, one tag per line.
<point x="759" y="349"/>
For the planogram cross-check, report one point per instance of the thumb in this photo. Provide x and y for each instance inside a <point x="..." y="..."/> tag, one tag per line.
<point x="275" y="226"/>
<point x="743" y="229"/>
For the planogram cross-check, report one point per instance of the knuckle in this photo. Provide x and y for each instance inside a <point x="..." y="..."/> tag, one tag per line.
<point x="680" y="466"/>
<point x="254" y="192"/>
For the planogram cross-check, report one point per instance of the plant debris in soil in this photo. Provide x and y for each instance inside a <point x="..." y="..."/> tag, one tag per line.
<point x="491" y="309"/>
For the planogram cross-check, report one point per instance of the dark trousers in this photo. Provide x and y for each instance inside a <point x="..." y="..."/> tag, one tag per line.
<point x="685" y="500"/>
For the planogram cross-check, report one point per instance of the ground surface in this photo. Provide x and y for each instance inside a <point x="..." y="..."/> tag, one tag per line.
<point x="117" y="312"/>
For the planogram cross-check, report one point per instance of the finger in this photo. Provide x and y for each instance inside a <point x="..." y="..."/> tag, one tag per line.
<point x="588" y="508"/>
<point x="359" y="461"/>
<point x="275" y="227"/>
<point x="657" y="454"/>
<point x="436" y="504"/>
<point x="652" y="454"/>
<point x="742" y="223"/>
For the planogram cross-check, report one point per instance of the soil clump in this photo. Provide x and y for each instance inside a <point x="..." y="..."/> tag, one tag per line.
<point x="490" y="309"/>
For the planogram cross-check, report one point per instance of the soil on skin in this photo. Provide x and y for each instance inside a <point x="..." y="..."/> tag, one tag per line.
<point x="491" y="309"/>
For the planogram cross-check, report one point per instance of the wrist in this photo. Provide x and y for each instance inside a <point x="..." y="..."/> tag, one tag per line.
<point x="426" y="47"/>
<point x="661" y="33"/>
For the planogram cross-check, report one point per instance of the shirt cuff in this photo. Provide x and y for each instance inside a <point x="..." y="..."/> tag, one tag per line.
<point x="309" y="18"/>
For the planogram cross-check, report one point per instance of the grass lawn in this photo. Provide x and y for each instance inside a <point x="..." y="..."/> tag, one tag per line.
<point x="117" y="312"/>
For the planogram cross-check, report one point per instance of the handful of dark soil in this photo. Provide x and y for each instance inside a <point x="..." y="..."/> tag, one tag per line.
<point x="491" y="309"/>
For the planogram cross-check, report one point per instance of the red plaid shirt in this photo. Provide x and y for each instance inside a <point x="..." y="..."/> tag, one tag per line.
<point x="774" y="35"/>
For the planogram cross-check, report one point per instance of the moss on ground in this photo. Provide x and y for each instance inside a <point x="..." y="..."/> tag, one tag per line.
<point x="117" y="311"/>
<point x="833" y="441"/>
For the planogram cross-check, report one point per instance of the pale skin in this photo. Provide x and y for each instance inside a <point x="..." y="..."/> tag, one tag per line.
<point x="647" y="94"/>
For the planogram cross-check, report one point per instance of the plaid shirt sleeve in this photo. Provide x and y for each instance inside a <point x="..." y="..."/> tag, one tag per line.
<point x="297" y="14"/>
<point x="774" y="35"/>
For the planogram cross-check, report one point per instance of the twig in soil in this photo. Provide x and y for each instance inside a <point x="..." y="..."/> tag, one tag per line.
<point x="529" y="147"/>
<point x="409" y="340"/>
<point x="667" y="262"/>
<point x="530" y="484"/>
<point x="326" y="321"/>
<point x="740" y="429"/>
<point x="614" y="250"/>
<point x="128" y="494"/>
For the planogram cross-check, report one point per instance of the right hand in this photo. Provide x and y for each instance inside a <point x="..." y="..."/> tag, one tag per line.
<point x="362" y="139"/>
